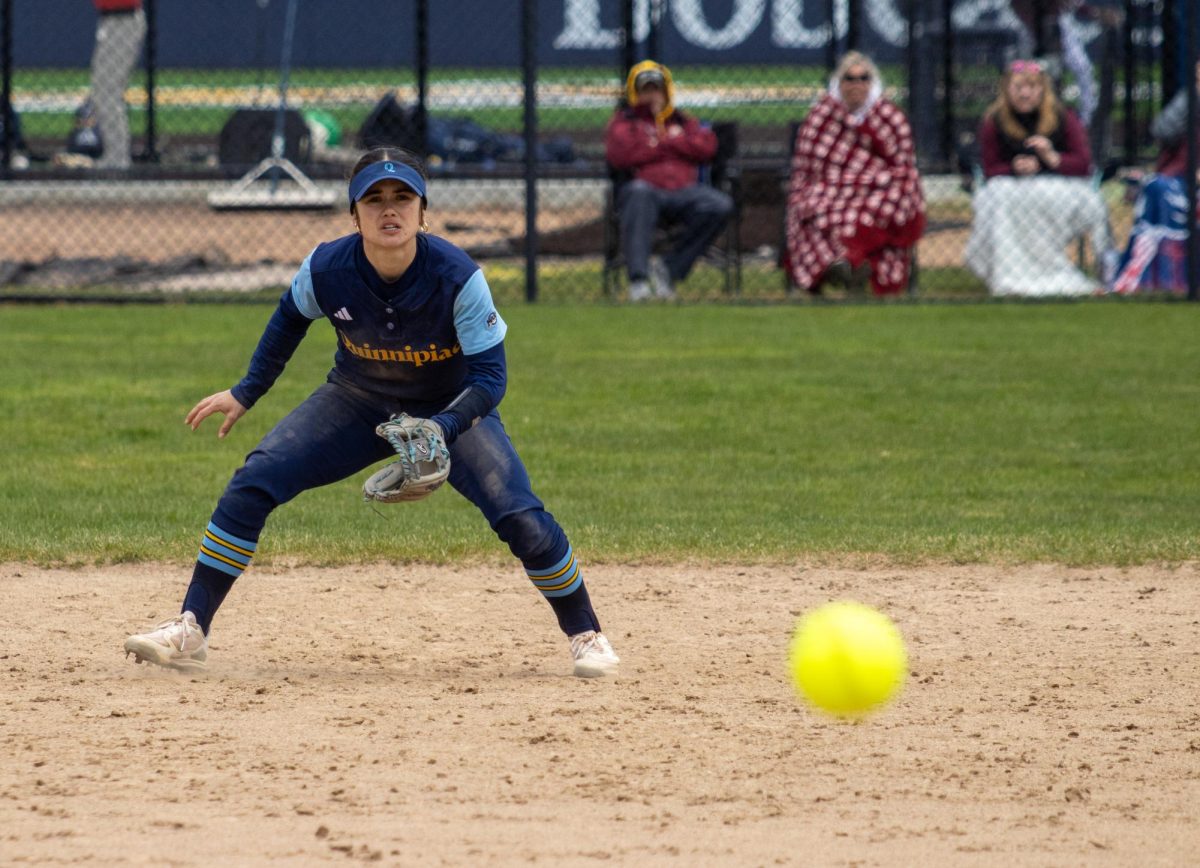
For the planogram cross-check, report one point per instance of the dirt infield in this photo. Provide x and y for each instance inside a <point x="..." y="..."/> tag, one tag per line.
<point x="424" y="716"/>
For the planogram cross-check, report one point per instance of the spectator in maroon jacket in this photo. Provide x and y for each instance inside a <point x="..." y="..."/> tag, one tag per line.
<point x="1038" y="194"/>
<point x="120" y="30"/>
<point x="663" y="149"/>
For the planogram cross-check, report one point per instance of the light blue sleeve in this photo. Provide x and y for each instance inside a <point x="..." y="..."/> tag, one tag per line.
<point x="476" y="319"/>
<point x="303" y="294"/>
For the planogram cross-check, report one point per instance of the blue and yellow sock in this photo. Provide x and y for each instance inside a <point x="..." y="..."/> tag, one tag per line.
<point x="223" y="557"/>
<point x="225" y="552"/>
<point x="560" y="580"/>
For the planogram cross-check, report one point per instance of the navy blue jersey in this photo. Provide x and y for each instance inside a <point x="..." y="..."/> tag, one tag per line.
<point x="406" y="339"/>
<point x="430" y="344"/>
<point x="422" y="338"/>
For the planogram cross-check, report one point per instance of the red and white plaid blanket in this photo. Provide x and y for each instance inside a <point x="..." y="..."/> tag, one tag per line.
<point x="855" y="194"/>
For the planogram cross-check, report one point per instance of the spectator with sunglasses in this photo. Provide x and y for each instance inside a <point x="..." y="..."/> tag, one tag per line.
<point x="1037" y="195"/>
<point x="855" y="205"/>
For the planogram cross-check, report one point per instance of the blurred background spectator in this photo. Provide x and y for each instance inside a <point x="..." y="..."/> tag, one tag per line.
<point x="1038" y="192"/>
<point x="120" y="31"/>
<point x="1156" y="256"/>
<point x="855" y="205"/>
<point x="663" y="149"/>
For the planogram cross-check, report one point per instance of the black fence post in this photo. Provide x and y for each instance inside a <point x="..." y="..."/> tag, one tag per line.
<point x="1102" y="122"/>
<point x="628" y="47"/>
<point x="922" y="81"/>
<point x="1193" y="159"/>
<point x="1129" y="122"/>
<point x="421" y="57"/>
<point x="10" y="114"/>
<point x="912" y="9"/>
<point x="831" y="47"/>
<point x="948" y="86"/>
<point x="529" y="61"/>
<point x="1170" y="49"/>
<point x="1039" y="28"/>
<point x="654" y="35"/>
<point x="854" y="25"/>
<point x="150" y="151"/>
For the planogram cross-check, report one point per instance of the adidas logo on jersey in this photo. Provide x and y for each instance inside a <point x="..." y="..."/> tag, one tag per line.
<point x="344" y="315"/>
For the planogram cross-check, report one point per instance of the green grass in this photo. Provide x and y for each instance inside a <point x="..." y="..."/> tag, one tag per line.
<point x="982" y="432"/>
<point x="567" y="279"/>
<point x="201" y="120"/>
<point x="208" y="120"/>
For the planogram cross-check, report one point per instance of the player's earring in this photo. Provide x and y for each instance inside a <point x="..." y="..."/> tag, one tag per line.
<point x="424" y="225"/>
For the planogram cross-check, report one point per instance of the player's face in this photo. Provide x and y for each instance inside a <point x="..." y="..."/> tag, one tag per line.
<point x="855" y="87"/>
<point x="1025" y="92"/>
<point x="388" y="215"/>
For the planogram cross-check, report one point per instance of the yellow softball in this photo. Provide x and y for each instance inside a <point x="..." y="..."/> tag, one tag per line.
<point x="847" y="658"/>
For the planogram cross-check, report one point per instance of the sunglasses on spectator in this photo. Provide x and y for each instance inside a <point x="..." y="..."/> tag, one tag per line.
<point x="865" y="77"/>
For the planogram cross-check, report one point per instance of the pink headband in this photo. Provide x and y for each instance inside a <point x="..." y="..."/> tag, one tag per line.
<point x="1025" y="66"/>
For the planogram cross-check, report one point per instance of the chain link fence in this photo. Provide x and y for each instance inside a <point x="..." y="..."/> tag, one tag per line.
<point x="508" y="100"/>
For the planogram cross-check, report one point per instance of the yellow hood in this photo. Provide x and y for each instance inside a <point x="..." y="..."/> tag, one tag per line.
<point x="669" y="87"/>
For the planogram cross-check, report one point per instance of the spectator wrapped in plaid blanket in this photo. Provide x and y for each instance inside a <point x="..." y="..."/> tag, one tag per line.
<point x="855" y="205"/>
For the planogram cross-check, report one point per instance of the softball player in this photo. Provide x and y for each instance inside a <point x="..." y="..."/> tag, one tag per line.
<point x="417" y="333"/>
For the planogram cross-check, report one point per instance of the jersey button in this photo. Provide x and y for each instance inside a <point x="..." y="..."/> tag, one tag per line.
<point x="391" y="325"/>
<point x="389" y="310"/>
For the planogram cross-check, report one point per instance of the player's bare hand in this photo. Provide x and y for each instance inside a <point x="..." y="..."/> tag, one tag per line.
<point x="223" y="403"/>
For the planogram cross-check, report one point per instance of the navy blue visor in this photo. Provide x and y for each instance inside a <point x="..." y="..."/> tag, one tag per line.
<point x="382" y="171"/>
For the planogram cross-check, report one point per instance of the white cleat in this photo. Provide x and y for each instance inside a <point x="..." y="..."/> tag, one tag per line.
<point x="593" y="655"/>
<point x="178" y="643"/>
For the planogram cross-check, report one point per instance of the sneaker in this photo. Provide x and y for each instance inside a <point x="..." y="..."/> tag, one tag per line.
<point x="639" y="290"/>
<point x="178" y="643"/>
<point x="660" y="276"/>
<point x="593" y="655"/>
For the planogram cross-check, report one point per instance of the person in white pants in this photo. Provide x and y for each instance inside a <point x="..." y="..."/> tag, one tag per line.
<point x="120" y="31"/>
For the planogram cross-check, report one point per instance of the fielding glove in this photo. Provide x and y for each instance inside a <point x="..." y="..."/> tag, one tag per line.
<point x="424" y="462"/>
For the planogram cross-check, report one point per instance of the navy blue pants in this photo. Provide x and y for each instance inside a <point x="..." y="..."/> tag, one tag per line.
<point x="331" y="436"/>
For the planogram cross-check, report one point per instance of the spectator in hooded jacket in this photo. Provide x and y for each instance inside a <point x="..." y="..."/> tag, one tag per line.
<point x="663" y="149"/>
